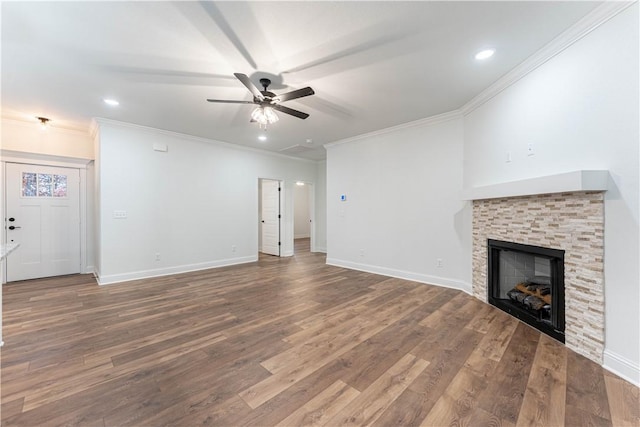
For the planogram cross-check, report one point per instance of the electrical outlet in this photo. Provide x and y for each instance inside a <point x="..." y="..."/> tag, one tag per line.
<point x="530" y="150"/>
<point x="508" y="157"/>
<point x="439" y="263"/>
<point x="361" y="252"/>
<point x="157" y="256"/>
<point x="233" y="248"/>
<point x="119" y="214"/>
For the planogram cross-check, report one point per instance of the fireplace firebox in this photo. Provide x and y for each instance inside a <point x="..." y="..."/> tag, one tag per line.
<point x="528" y="282"/>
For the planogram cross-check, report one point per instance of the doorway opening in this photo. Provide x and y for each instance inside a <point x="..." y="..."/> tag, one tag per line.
<point x="269" y="201"/>
<point x="303" y="226"/>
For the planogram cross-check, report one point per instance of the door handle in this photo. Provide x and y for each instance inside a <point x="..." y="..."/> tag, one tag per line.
<point x="13" y="227"/>
<point x="262" y="221"/>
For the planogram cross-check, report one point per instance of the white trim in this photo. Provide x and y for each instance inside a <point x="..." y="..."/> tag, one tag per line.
<point x="581" y="180"/>
<point x="622" y="367"/>
<point x="145" y="274"/>
<point x="94" y="128"/>
<point x="401" y="274"/>
<point x="429" y="121"/>
<point x="301" y="236"/>
<point x="10" y="156"/>
<point x="199" y="139"/>
<point x="84" y="232"/>
<point x="587" y="24"/>
<point x="322" y="249"/>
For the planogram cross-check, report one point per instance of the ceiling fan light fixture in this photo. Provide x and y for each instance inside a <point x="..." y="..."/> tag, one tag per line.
<point x="271" y="115"/>
<point x="264" y="116"/>
<point x="265" y="113"/>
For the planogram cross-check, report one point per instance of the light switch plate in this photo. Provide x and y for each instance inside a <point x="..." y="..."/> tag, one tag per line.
<point x="119" y="214"/>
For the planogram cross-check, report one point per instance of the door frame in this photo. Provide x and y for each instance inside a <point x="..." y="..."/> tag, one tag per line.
<point x="311" y="202"/>
<point x="82" y="165"/>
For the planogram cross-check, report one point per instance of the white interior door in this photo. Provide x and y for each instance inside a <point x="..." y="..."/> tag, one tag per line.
<point x="43" y="216"/>
<point x="270" y="217"/>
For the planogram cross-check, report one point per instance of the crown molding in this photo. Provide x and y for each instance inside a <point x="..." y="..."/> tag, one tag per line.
<point x="580" y="29"/>
<point x="94" y="128"/>
<point x="429" y="121"/>
<point x="101" y="121"/>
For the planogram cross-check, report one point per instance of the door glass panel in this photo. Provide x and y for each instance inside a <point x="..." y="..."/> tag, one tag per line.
<point x="43" y="185"/>
<point x="59" y="186"/>
<point x="29" y="184"/>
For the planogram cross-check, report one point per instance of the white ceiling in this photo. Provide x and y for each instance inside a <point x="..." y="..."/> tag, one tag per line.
<point x="372" y="64"/>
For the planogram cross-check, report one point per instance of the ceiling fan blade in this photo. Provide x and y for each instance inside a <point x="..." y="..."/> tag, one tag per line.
<point x="294" y="94"/>
<point x="252" y="88"/>
<point x="227" y="101"/>
<point x="291" y="111"/>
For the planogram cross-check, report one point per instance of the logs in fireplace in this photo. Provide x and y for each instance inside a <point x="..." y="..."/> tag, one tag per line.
<point x="528" y="282"/>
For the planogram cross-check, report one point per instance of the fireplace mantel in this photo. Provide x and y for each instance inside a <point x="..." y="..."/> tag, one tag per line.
<point x="581" y="180"/>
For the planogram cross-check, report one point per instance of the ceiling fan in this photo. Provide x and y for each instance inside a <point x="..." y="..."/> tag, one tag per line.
<point x="267" y="101"/>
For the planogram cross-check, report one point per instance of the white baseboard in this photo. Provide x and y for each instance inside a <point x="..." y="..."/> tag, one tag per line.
<point x="322" y="249"/>
<point x="89" y="269"/>
<point x="401" y="274"/>
<point x="622" y="367"/>
<point x="301" y="236"/>
<point x="136" y="275"/>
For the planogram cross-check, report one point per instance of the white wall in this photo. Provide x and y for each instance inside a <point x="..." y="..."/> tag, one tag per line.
<point x="301" y="213"/>
<point x="403" y="211"/>
<point x="190" y="204"/>
<point x="320" y="208"/>
<point x="580" y="111"/>
<point x="28" y="137"/>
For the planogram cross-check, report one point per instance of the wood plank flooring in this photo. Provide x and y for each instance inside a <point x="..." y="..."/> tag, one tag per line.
<point x="287" y="342"/>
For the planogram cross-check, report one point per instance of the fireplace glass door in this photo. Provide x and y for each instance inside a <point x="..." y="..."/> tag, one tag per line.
<point x="528" y="282"/>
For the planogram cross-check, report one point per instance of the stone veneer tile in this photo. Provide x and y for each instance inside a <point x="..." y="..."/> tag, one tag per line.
<point x="573" y="222"/>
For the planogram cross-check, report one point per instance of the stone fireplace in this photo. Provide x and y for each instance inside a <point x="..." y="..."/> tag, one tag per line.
<point x="572" y="222"/>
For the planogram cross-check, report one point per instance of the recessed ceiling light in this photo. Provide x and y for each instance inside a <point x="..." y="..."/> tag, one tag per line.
<point x="309" y="141"/>
<point x="300" y="183"/>
<point x="111" y="102"/>
<point x="262" y="137"/>
<point x="485" y="54"/>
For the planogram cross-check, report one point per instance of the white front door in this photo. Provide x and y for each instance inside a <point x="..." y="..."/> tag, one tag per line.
<point x="43" y="216"/>
<point x="270" y="217"/>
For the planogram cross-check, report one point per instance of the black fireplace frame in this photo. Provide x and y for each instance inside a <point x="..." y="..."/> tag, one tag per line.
<point x="554" y="329"/>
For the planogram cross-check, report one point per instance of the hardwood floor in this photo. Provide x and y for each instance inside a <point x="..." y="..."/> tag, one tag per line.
<point x="290" y="342"/>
